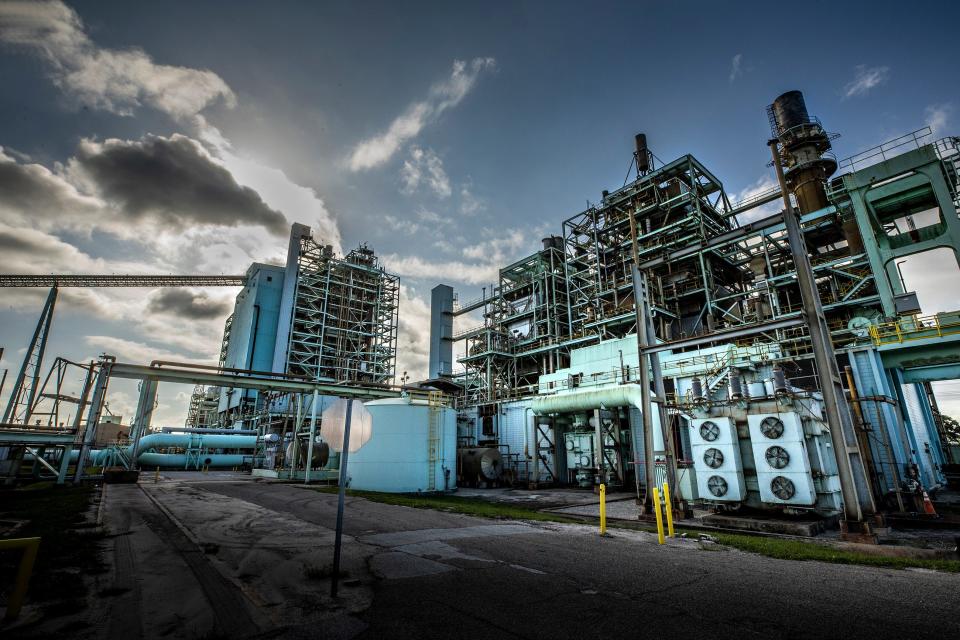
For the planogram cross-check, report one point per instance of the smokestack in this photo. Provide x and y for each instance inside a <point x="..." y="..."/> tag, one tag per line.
<point x="807" y="162"/>
<point x="643" y="156"/>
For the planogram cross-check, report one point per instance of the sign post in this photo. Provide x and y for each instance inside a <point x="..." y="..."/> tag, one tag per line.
<point x="344" y="453"/>
<point x="345" y="428"/>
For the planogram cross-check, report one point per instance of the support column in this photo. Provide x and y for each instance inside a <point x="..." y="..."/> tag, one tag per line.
<point x="313" y="434"/>
<point x="856" y="507"/>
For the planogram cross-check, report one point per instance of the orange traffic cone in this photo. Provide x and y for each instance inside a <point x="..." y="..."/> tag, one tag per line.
<point x="928" y="506"/>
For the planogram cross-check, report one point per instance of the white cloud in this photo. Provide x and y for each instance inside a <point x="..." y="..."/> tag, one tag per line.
<point x="735" y="68"/>
<point x="139" y="352"/>
<point x="452" y="270"/>
<point x="413" y="335"/>
<point x="377" y="150"/>
<point x="470" y="205"/>
<point x="763" y="184"/>
<point x="114" y="80"/>
<point x="937" y="116"/>
<point x="486" y="257"/>
<point x="865" y="79"/>
<point x="424" y="167"/>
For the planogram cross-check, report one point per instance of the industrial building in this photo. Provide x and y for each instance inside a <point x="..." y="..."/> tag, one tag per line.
<point x="755" y="362"/>
<point x="740" y="415"/>
<point x="320" y="317"/>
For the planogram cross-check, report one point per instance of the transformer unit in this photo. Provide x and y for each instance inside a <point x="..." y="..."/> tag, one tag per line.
<point x="780" y="453"/>
<point x="716" y="459"/>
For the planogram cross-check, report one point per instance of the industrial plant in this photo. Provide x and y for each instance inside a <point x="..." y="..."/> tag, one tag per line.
<point x="757" y="363"/>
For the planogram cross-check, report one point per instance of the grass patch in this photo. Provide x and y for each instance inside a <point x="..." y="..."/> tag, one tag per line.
<point x="455" y="504"/>
<point x="65" y="554"/>
<point x="799" y="550"/>
<point x="772" y="547"/>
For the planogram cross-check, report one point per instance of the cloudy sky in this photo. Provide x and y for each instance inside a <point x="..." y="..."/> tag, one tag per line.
<point x="186" y="137"/>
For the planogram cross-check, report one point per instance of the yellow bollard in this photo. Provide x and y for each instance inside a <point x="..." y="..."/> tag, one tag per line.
<point x="29" y="546"/>
<point x="603" y="509"/>
<point x="656" y="510"/>
<point x="156" y="476"/>
<point x="668" y="509"/>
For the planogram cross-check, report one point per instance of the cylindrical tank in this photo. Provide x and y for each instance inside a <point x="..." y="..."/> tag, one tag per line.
<point x="779" y="380"/>
<point x="321" y="453"/>
<point x="479" y="465"/>
<point x="790" y="109"/>
<point x="412" y="448"/>
<point x="696" y="387"/>
<point x="734" y="386"/>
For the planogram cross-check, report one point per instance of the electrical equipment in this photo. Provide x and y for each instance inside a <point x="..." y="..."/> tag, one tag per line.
<point x="716" y="459"/>
<point x="780" y="453"/>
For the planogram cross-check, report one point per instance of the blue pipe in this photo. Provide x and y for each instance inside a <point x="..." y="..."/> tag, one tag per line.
<point x="203" y="442"/>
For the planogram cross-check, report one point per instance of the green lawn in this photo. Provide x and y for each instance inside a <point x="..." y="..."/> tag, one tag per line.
<point x="784" y="549"/>
<point x="454" y="504"/>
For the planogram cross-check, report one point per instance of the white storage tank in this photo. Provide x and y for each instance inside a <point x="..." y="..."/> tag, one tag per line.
<point x="412" y="447"/>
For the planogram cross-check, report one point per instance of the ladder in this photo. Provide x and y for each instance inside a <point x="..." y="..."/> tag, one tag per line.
<point x="434" y="402"/>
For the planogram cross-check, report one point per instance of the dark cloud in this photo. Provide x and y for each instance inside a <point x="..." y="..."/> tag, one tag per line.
<point x="188" y="304"/>
<point x="31" y="190"/>
<point x="173" y="181"/>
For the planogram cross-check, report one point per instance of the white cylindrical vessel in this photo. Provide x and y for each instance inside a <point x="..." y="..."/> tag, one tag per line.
<point x="409" y="449"/>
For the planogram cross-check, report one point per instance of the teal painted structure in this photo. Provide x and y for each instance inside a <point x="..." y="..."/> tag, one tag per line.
<point x="253" y="329"/>
<point x="882" y="199"/>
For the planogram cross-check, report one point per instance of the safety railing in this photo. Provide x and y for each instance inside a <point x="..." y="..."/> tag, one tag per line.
<point x="886" y="150"/>
<point x="916" y="328"/>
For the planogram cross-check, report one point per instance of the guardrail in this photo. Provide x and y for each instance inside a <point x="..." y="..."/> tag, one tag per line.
<point x="29" y="546"/>
<point x="915" y="328"/>
<point x="883" y="151"/>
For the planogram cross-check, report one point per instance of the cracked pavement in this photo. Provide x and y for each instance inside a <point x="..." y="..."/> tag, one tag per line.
<point x="430" y="574"/>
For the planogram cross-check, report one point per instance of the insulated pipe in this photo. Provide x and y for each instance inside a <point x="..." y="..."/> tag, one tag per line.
<point x="625" y="395"/>
<point x="235" y="432"/>
<point x="150" y="459"/>
<point x="195" y="441"/>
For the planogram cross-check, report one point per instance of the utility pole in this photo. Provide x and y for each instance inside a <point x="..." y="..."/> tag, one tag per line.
<point x="855" y="507"/>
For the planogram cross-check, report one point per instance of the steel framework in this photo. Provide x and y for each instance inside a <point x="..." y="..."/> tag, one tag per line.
<point x="344" y="325"/>
<point x="79" y="280"/>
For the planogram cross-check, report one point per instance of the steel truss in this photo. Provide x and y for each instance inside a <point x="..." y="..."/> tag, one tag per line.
<point x="344" y="325"/>
<point x="524" y="330"/>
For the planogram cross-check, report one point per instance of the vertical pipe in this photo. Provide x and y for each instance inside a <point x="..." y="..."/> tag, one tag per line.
<point x="598" y="450"/>
<point x="313" y="434"/>
<point x="295" y="441"/>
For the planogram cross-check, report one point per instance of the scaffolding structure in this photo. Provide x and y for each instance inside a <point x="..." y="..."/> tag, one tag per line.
<point x="525" y="329"/>
<point x="344" y="325"/>
<point x="708" y="277"/>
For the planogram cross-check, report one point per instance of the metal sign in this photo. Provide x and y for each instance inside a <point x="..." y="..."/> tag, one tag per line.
<point x="334" y="423"/>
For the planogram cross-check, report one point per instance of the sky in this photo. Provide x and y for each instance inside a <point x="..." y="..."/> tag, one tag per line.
<point x="185" y="137"/>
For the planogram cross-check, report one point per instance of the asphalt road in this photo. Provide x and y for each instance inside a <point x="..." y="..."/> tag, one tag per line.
<point x="416" y="573"/>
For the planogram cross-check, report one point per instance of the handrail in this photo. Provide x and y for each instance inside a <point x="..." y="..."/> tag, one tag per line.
<point x="915" y="328"/>
<point x="881" y="150"/>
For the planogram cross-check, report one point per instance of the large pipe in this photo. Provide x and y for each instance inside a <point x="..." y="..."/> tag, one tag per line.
<point x="201" y="442"/>
<point x="625" y="395"/>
